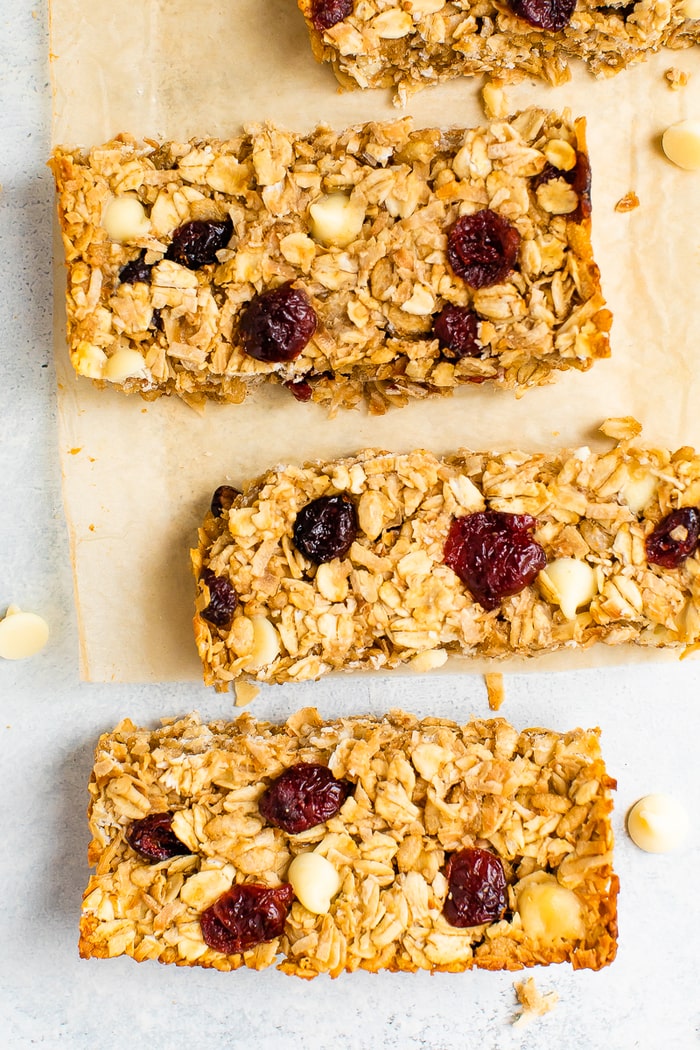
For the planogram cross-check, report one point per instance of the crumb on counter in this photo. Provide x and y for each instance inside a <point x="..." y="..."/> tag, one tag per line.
<point x="495" y="690"/>
<point x="534" y="1003"/>
<point x="629" y="202"/>
<point x="245" y="692"/>
<point x="677" y="78"/>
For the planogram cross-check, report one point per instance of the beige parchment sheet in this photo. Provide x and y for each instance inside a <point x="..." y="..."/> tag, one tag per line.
<point x="138" y="477"/>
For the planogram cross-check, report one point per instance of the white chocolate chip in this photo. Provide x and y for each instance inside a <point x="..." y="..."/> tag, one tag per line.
<point x="681" y="144"/>
<point x="22" y="634"/>
<point x="335" y="220"/>
<point x="690" y="9"/>
<point x="657" y="823"/>
<point x="315" y="881"/>
<point x="639" y="490"/>
<point x="126" y="363"/>
<point x="573" y="583"/>
<point x="125" y="219"/>
<point x="419" y="8"/>
<point x="549" y="911"/>
<point x="89" y="360"/>
<point x="266" y="644"/>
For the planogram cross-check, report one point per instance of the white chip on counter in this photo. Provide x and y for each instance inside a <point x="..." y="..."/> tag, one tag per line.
<point x="658" y="823"/>
<point x="681" y="144"/>
<point x="22" y="634"/>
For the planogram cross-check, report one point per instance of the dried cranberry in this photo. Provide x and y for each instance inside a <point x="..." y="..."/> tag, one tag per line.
<point x="301" y="390"/>
<point x="544" y="14"/>
<point x="196" y="243"/>
<point x="326" y="528"/>
<point x="477" y="888"/>
<point x="246" y="915"/>
<point x="493" y="554"/>
<point x="675" y="538"/>
<point x="222" y="500"/>
<point x="277" y="325"/>
<point x="457" y="330"/>
<point x="136" y="271"/>
<point x="327" y="13"/>
<point x="222" y="599"/>
<point x="578" y="177"/>
<point x="153" y="837"/>
<point x="302" y="797"/>
<point x="482" y="248"/>
<point x="156" y="320"/>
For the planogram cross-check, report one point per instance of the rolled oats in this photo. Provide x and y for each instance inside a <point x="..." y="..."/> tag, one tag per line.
<point x="392" y="600"/>
<point x="358" y="220"/>
<point x="435" y="41"/>
<point x="539" y="800"/>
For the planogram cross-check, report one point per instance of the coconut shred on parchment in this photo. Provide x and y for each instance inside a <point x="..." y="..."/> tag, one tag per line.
<point x="138" y="476"/>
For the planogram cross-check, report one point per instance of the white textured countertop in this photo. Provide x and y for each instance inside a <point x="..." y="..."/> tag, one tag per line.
<point x="50" y="722"/>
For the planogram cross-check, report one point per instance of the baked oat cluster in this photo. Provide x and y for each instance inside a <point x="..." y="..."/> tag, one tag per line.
<point x="382" y="559"/>
<point x="378" y="264"/>
<point x="408" y="44"/>
<point x="439" y="825"/>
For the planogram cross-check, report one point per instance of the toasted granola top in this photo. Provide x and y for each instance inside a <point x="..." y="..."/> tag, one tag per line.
<point x="356" y="225"/>
<point x="537" y="801"/>
<point x="598" y="524"/>
<point x="408" y="44"/>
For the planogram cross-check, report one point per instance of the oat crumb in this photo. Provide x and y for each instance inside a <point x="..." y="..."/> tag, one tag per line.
<point x="677" y="78"/>
<point x="495" y="690"/>
<point x="534" y="1003"/>
<point x="245" y="692"/>
<point x="629" y="202"/>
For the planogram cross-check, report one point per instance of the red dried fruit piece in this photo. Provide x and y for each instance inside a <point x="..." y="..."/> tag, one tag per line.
<point x="327" y="13"/>
<point x="277" y="325"/>
<point x="246" y="915"/>
<point x="457" y="331"/>
<point x="494" y="554"/>
<point x="196" y="243"/>
<point x="477" y="888"/>
<point x="326" y="528"/>
<point x="675" y="538"/>
<point x="482" y="248"/>
<point x="544" y="14"/>
<point x="222" y="599"/>
<point x="303" y="796"/>
<point x="223" y="499"/>
<point x="153" y="837"/>
<point x="136" y="271"/>
<point x="301" y="390"/>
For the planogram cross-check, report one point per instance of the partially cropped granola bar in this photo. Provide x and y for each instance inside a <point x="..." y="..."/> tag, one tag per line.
<point x="378" y="844"/>
<point x="380" y="262"/>
<point x="408" y="44"/>
<point x="380" y="559"/>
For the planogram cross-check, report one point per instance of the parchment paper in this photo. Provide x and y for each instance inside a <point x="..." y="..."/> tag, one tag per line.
<point x="138" y="477"/>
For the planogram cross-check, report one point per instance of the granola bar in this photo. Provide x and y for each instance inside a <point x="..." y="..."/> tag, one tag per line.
<point x="173" y="250"/>
<point x="408" y="44"/>
<point x="472" y="554"/>
<point x="419" y="798"/>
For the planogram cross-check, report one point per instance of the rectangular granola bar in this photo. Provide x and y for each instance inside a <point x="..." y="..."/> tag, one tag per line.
<point x="357" y="224"/>
<point x="412" y="559"/>
<point x="407" y="44"/>
<point x="421" y="799"/>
